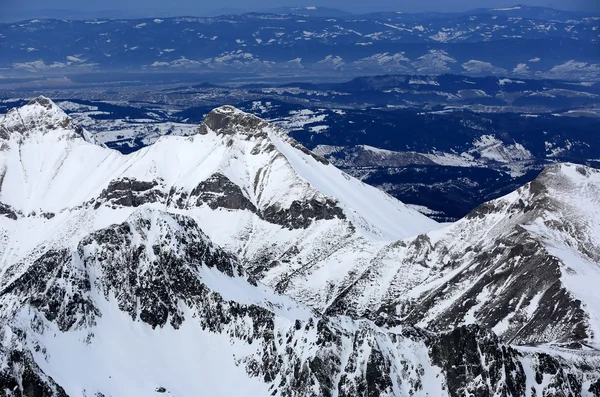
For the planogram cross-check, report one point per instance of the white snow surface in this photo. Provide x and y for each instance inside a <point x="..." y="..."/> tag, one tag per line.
<point x="51" y="174"/>
<point x="129" y="358"/>
<point x="54" y="171"/>
<point x="381" y="252"/>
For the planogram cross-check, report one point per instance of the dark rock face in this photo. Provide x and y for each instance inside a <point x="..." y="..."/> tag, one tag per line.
<point x="378" y="372"/>
<point x="508" y="269"/>
<point x="43" y="287"/>
<point x="227" y="120"/>
<point x="219" y="192"/>
<point x="595" y="388"/>
<point x="329" y="370"/>
<point x="22" y="377"/>
<point x="564" y="382"/>
<point x="476" y="364"/>
<point x="300" y="215"/>
<point x="43" y="101"/>
<point x="513" y="269"/>
<point x="8" y="211"/>
<point x="152" y="282"/>
<point x="128" y="192"/>
<point x="4" y="135"/>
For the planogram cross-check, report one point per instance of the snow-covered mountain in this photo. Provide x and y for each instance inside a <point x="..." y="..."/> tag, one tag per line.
<point x="237" y="251"/>
<point x="469" y="139"/>
<point x="524" y="265"/>
<point x="283" y="210"/>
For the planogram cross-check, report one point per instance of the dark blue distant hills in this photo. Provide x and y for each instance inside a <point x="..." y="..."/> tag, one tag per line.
<point x="525" y="42"/>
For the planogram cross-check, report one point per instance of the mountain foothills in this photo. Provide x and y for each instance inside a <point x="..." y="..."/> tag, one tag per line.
<point x="237" y="262"/>
<point x="518" y="41"/>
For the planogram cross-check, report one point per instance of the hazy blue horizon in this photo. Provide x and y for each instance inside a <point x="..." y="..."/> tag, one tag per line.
<point x="189" y="7"/>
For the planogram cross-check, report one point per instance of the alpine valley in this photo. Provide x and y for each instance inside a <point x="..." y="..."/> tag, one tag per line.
<point x="236" y="262"/>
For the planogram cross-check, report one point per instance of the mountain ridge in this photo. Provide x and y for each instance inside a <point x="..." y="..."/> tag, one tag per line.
<point x="522" y="10"/>
<point x="43" y="116"/>
<point x="523" y="234"/>
<point x="175" y="261"/>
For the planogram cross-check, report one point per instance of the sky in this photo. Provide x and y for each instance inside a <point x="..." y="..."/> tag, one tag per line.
<point x="197" y="7"/>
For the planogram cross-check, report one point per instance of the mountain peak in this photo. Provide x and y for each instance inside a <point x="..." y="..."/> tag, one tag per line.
<point x="228" y="120"/>
<point x="557" y="185"/>
<point x="42" y="101"/>
<point x="560" y="171"/>
<point x="563" y="179"/>
<point x="41" y="116"/>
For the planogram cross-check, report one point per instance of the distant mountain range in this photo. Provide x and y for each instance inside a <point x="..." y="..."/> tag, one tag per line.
<point x="519" y="10"/>
<point x="518" y="41"/>
<point x="311" y="11"/>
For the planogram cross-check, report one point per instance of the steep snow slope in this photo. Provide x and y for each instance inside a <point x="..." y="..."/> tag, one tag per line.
<point x="297" y="222"/>
<point x="151" y="305"/>
<point x="268" y="167"/>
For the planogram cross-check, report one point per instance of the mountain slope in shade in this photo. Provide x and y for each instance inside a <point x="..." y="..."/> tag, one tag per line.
<point x="151" y="305"/>
<point x="524" y="265"/>
<point x="163" y="270"/>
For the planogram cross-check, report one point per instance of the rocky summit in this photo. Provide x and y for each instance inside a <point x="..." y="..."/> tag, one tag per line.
<point x="237" y="262"/>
